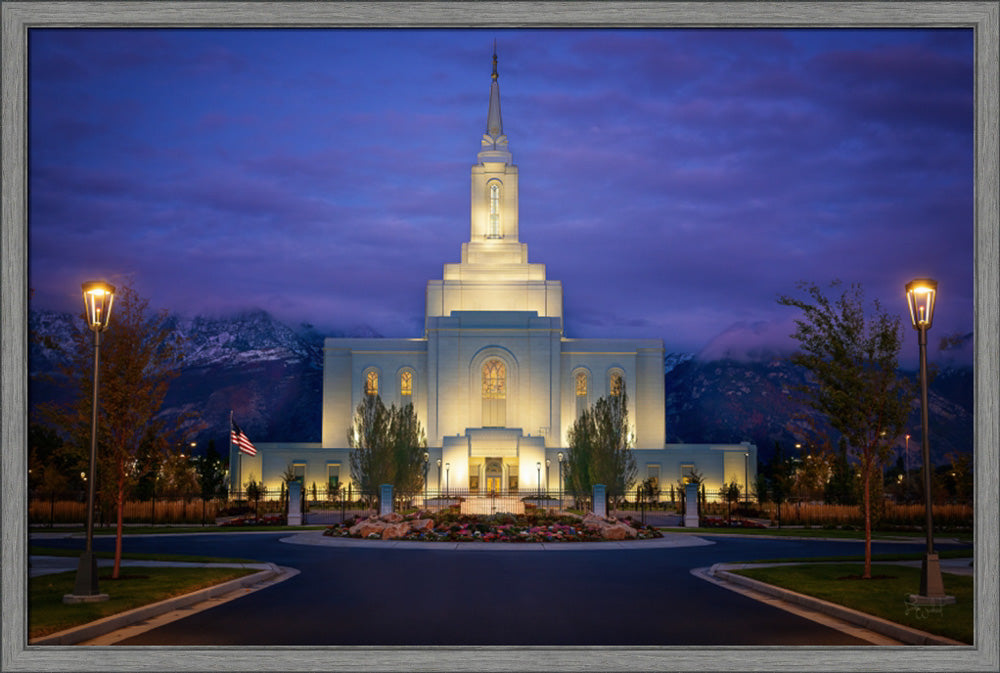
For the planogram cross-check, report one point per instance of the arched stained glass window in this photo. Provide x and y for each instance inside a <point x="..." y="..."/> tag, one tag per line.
<point x="581" y="392"/>
<point x="494" y="230"/>
<point x="494" y="393"/>
<point x="371" y="382"/>
<point x="616" y="384"/>
<point x="406" y="383"/>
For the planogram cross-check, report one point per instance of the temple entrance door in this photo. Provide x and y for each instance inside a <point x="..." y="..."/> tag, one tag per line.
<point x="494" y="475"/>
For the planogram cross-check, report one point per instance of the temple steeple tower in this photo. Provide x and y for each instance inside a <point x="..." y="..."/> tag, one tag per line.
<point x="494" y="274"/>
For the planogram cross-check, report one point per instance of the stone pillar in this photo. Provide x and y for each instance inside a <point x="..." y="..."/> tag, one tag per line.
<point x="294" y="503"/>
<point x="385" y="500"/>
<point x="600" y="500"/>
<point x="691" y="505"/>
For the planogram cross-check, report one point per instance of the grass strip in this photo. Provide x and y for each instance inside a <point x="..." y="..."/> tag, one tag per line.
<point x="812" y="532"/>
<point x="135" y="588"/>
<point x="883" y="596"/>
<point x="180" y="530"/>
<point x="888" y="556"/>
<point x="36" y="550"/>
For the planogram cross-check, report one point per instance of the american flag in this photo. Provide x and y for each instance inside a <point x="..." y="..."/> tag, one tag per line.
<point x="241" y="440"/>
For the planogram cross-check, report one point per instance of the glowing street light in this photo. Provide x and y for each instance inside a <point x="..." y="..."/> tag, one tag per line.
<point x="538" y="466"/>
<point x="560" y="457"/>
<point x="447" y="478"/>
<point x="98" y="298"/>
<point x="920" y="296"/>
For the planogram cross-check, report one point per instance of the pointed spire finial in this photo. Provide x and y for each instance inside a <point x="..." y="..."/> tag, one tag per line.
<point x="494" y="126"/>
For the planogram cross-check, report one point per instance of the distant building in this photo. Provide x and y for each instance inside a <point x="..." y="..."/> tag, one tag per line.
<point x="494" y="381"/>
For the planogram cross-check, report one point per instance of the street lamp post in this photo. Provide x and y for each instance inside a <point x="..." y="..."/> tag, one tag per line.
<point x="538" y="467"/>
<point x="547" y="463"/>
<point x="97" y="299"/>
<point x="447" y="478"/>
<point x="560" y="457"/>
<point x="921" y="295"/>
<point x="746" y="478"/>
<point x="426" y="458"/>
<point x="439" y="478"/>
<point x="906" y="455"/>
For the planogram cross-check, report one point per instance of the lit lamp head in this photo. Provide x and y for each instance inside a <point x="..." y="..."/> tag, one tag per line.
<point x="921" y="295"/>
<point x="97" y="298"/>
<point x="426" y="456"/>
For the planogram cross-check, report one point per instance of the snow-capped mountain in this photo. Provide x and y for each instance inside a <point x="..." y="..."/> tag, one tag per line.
<point x="271" y="377"/>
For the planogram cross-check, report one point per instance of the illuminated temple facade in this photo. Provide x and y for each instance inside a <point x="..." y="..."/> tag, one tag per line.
<point x="494" y="381"/>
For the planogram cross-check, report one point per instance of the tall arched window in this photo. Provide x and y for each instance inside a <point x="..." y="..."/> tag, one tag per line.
<point x="406" y="383"/>
<point x="494" y="230"/>
<point x="371" y="382"/>
<point x="616" y="383"/>
<point x="581" y="392"/>
<point x="494" y="393"/>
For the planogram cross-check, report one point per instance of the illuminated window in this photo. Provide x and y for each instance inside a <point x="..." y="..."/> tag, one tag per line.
<point x="581" y="392"/>
<point x="494" y="393"/>
<point x="494" y="231"/>
<point x="616" y="384"/>
<point x="406" y="383"/>
<point x="371" y="382"/>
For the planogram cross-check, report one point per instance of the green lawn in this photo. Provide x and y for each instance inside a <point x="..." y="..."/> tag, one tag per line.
<point x="815" y="532"/>
<point x="883" y="597"/>
<point x="136" y="587"/>
<point x="38" y="550"/>
<point x="171" y="530"/>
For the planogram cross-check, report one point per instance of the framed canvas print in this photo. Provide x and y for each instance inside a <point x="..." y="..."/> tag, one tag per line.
<point x="322" y="409"/>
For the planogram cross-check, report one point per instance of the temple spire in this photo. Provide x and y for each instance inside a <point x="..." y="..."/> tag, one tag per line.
<point x="494" y="125"/>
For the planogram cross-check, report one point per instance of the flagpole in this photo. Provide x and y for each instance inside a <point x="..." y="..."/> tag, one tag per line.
<point x="239" y="458"/>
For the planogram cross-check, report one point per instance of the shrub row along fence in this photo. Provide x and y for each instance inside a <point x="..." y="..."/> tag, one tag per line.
<point x="193" y="511"/>
<point x="196" y="511"/>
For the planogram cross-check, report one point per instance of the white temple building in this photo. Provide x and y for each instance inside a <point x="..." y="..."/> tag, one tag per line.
<point x="495" y="382"/>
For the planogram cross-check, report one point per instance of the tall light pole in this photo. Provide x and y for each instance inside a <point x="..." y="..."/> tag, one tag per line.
<point x="560" y="457"/>
<point x="97" y="299"/>
<point x="921" y="295"/>
<point x="538" y="467"/>
<point x="906" y="453"/>
<point x="447" y="478"/>
<point x="426" y="458"/>
<point x="439" y="477"/>
<point x="746" y="478"/>
<point x="547" y="463"/>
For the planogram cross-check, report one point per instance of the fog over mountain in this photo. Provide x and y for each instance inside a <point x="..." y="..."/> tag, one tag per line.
<point x="738" y="387"/>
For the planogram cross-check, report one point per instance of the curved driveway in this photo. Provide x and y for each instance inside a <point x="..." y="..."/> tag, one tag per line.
<point x="389" y="594"/>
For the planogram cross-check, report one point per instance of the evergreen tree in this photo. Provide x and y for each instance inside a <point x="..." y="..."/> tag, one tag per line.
<point x="600" y="449"/>
<point x="853" y="360"/>
<point x="388" y="447"/>
<point x="842" y="488"/>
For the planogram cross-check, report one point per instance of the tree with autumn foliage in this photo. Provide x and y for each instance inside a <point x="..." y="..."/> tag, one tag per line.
<point x="140" y="356"/>
<point x="851" y="352"/>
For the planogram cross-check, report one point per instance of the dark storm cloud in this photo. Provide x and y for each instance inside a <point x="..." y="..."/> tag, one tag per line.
<point x="675" y="181"/>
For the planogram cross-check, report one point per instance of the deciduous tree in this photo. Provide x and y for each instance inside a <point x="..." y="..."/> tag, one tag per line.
<point x="851" y="352"/>
<point x="139" y="357"/>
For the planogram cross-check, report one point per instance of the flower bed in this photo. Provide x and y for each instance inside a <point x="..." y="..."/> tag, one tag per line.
<point x="535" y="526"/>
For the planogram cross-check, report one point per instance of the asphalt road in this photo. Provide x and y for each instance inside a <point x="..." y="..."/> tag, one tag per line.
<point x="392" y="596"/>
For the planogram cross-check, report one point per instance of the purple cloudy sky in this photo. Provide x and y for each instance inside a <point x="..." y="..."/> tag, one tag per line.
<point x="675" y="181"/>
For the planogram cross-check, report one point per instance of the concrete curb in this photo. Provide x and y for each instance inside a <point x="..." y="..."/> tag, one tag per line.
<point x="122" y="619"/>
<point x="316" y="538"/>
<point x="904" y="634"/>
